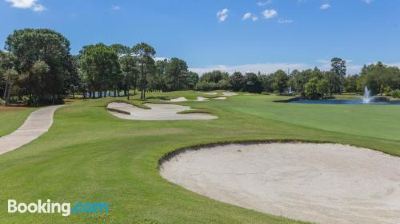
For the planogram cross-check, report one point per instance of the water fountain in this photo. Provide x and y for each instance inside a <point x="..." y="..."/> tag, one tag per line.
<point x="367" y="98"/>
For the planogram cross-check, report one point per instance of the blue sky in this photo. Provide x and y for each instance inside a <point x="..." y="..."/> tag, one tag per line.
<point x="246" y="35"/>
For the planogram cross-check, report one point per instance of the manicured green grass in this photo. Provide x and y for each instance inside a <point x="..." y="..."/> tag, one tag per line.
<point x="91" y="156"/>
<point x="12" y="117"/>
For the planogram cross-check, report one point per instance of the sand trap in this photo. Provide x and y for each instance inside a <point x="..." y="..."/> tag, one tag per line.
<point x="201" y="99"/>
<point x="221" y="98"/>
<point x="322" y="183"/>
<point x="35" y="125"/>
<point x="229" y="94"/>
<point x="179" y="99"/>
<point x="158" y="112"/>
<point x="211" y="93"/>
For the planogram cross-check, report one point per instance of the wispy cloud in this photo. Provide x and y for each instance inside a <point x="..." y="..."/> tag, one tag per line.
<point x="325" y="6"/>
<point x="270" y="13"/>
<point x="223" y="15"/>
<point x="368" y="1"/>
<point x="262" y="67"/>
<point x="285" y="21"/>
<point x="250" y="15"/>
<point x="264" y="3"/>
<point x="267" y="68"/>
<point x="27" y="4"/>
<point x="116" y="7"/>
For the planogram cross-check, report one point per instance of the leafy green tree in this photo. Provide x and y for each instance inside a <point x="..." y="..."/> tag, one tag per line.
<point x="316" y="88"/>
<point x="130" y="73"/>
<point x="350" y="84"/>
<point x="8" y="75"/>
<point x="237" y="81"/>
<point x="32" y="45"/>
<point x="337" y="76"/>
<point x="252" y="83"/>
<point x="214" y="76"/>
<point x="177" y="73"/>
<point x="100" y="66"/>
<point x="380" y="78"/>
<point x="121" y="50"/>
<point x="11" y="77"/>
<point x="279" y="81"/>
<point x="266" y="82"/>
<point x="192" y="79"/>
<point x="144" y="54"/>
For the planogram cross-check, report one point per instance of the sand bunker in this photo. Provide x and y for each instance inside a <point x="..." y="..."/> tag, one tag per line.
<point x="201" y="99"/>
<point x="229" y="94"/>
<point x="179" y="99"/>
<point x="322" y="183"/>
<point x="34" y="126"/>
<point x="221" y="98"/>
<point x="158" y="112"/>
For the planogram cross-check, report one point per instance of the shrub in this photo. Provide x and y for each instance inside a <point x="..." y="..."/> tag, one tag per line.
<point x="396" y="93"/>
<point x="206" y="86"/>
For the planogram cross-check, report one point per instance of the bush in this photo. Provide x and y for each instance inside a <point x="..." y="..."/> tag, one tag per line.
<point x="396" y="93"/>
<point x="206" y="86"/>
<point x="224" y="84"/>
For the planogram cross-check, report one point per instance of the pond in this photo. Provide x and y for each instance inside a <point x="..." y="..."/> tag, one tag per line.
<point x="343" y="101"/>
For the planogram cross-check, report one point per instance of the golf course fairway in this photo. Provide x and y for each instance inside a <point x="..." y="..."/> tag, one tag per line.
<point x="90" y="155"/>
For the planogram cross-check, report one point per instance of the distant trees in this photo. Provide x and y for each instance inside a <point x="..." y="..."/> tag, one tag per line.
<point x="237" y="81"/>
<point x="252" y="83"/>
<point x="37" y="68"/>
<point x="280" y="81"/>
<point x="214" y="80"/>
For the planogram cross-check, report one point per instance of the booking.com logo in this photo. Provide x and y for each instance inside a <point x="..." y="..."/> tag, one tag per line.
<point x="65" y="208"/>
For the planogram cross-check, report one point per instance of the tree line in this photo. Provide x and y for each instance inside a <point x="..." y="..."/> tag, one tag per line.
<point x="37" y="68"/>
<point x="310" y="83"/>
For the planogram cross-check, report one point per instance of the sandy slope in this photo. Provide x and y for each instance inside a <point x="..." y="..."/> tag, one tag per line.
<point x="322" y="183"/>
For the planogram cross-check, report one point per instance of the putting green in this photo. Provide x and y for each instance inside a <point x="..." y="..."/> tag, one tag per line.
<point x="91" y="156"/>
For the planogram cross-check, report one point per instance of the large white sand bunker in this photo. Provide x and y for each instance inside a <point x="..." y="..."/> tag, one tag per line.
<point x="322" y="183"/>
<point x="158" y="112"/>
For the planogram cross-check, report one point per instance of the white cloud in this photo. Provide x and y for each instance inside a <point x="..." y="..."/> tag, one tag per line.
<point x="267" y="68"/>
<point x="264" y="3"/>
<point x="285" y="21"/>
<point x="368" y="1"/>
<point x="270" y="13"/>
<point x="116" y="7"/>
<point x="27" y="4"/>
<point x="249" y="15"/>
<point x="325" y="6"/>
<point x="223" y="15"/>
<point x="263" y="68"/>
